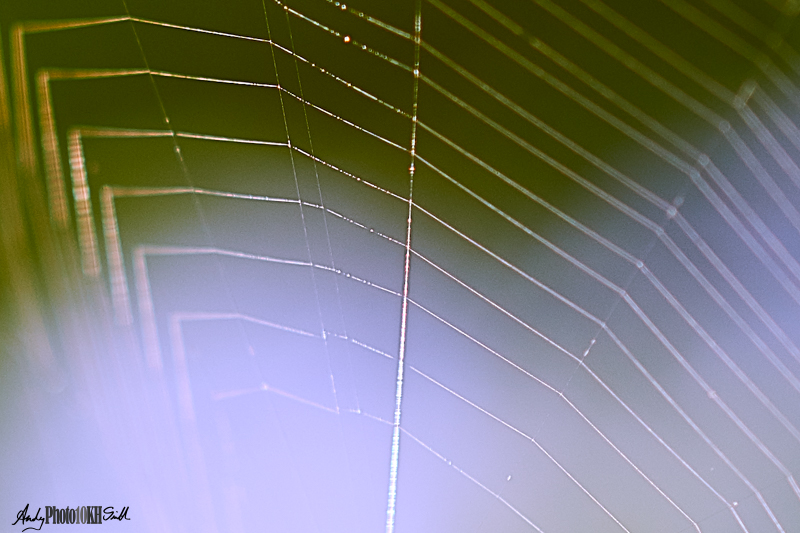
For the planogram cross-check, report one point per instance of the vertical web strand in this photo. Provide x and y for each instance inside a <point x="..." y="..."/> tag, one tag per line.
<point x="393" y="465"/>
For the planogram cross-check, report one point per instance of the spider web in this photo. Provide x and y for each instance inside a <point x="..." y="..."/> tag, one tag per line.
<point x="444" y="266"/>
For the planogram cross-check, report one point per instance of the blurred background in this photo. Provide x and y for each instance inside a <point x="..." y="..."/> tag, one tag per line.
<point x="420" y="266"/>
